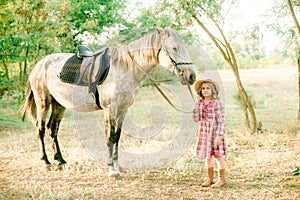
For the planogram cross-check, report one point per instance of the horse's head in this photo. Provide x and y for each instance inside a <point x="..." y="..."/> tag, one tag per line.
<point x="174" y="56"/>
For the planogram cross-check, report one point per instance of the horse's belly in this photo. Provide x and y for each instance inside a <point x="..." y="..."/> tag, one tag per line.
<point x="68" y="95"/>
<point x="74" y="98"/>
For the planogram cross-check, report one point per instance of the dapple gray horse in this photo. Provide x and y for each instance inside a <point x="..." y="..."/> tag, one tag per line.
<point x="129" y="65"/>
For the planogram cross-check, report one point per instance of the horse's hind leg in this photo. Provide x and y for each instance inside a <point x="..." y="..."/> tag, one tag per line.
<point x="42" y="107"/>
<point x="53" y="125"/>
<point x="41" y="135"/>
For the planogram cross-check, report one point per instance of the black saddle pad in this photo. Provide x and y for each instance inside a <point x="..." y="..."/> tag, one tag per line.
<point x="70" y="70"/>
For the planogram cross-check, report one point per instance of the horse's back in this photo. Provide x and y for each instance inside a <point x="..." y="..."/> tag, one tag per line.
<point x="54" y="61"/>
<point x="68" y="95"/>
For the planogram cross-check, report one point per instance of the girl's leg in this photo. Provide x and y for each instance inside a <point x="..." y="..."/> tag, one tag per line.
<point x="221" y="172"/>
<point x="208" y="162"/>
<point x="220" y="162"/>
<point x="209" y="169"/>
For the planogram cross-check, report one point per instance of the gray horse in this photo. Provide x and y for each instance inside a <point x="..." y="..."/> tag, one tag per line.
<point x="129" y="65"/>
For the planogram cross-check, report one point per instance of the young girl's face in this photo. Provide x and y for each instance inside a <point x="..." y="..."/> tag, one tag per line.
<point x="206" y="90"/>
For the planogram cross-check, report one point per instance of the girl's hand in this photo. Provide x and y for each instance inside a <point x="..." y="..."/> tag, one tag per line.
<point x="195" y="110"/>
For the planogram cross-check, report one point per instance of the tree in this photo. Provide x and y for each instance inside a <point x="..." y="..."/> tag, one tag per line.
<point x="210" y="15"/>
<point x="31" y="29"/>
<point x="27" y="33"/>
<point x="286" y="25"/>
<point x="297" y="28"/>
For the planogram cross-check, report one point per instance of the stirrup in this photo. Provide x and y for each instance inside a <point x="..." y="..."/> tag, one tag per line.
<point x="90" y="99"/>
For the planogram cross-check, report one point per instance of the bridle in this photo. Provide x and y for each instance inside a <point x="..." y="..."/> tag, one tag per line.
<point x="173" y="61"/>
<point x="175" y="64"/>
<point x="179" y="71"/>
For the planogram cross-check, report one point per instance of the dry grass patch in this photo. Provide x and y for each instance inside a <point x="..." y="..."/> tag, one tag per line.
<point x="258" y="165"/>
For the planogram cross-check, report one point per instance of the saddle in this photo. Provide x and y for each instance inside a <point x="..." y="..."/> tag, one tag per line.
<point x="86" y="68"/>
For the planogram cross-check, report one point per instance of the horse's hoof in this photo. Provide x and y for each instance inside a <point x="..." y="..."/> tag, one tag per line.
<point x="61" y="167"/>
<point x="62" y="162"/>
<point x="113" y="173"/>
<point x="47" y="167"/>
<point x="59" y="158"/>
<point x="123" y="169"/>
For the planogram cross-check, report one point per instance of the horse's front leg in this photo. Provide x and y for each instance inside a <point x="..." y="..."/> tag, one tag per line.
<point x="113" y="132"/>
<point x="116" y="149"/>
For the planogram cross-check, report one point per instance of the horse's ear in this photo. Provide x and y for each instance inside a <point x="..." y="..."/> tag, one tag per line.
<point x="159" y="30"/>
<point x="162" y="31"/>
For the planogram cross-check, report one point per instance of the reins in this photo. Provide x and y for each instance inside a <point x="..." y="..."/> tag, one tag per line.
<point x="168" y="100"/>
<point x="153" y="81"/>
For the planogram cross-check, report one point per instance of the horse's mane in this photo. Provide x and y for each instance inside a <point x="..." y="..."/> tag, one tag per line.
<point x="143" y="51"/>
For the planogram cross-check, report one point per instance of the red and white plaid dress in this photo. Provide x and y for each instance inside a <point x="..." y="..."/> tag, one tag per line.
<point x="211" y="123"/>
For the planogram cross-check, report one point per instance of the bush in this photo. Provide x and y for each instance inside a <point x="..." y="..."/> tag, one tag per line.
<point x="238" y="100"/>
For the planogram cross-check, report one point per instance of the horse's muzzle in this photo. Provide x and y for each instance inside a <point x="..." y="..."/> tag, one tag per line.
<point x="188" y="76"/>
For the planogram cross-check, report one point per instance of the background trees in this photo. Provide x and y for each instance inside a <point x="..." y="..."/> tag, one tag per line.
<point x="290" y="6"/>
<point x="287" y="27"/>
<point x="32" y="29"/>
<point x="210" y="16"/>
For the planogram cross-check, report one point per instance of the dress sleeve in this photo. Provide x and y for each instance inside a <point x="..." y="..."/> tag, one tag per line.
<point x="196" y="113"/>
<point x="219" y="113"/>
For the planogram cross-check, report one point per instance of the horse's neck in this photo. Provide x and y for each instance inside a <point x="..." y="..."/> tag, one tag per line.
<point x="144" y="52"/>
<point x="135" y="60"/>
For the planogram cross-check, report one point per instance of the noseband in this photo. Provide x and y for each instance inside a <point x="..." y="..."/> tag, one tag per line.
<point x="175" y="64"/>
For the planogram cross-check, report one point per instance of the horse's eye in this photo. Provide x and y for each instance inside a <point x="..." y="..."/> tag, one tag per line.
<point x="175" y="48"/>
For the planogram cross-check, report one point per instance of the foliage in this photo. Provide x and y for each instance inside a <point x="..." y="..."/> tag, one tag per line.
<point x="4" y="84"/>
<point x="11" y="92"/>
<point x="161" y="16"/>
<point x="284" y="27"/>
<point x="238" y="100"/>
<point x="93" y="16"/>
<point x="33" y="29"/>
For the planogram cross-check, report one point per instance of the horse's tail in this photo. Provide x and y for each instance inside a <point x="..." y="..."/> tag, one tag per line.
<point x="29" y="106"/>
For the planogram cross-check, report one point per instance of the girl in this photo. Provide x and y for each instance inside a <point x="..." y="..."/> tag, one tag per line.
<point x="209" y="113"/>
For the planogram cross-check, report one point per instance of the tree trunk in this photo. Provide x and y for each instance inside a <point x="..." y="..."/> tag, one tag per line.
<point x="245" y="101"/>
<point x="291" y="10"/>
<point x="20" y="72"/>
<point x="6" y="69"/>
<point x="298" y="62"/>
<point x="247" y="106"/>
<point x="25" y="65"/>
<point x="297" y="26"/>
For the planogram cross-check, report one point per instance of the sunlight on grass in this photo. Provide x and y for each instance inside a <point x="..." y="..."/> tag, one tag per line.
<point x="257" y="165"/>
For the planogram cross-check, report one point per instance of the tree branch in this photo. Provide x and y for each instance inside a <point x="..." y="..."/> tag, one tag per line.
<point x="229" y="55"/>
<point x="290" y="8"/>
<point x="216" y="41"/>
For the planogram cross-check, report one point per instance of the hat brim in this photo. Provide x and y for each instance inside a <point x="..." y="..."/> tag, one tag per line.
<point x="199" y="83"/>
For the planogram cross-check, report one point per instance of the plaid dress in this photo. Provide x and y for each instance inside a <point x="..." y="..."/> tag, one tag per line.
<point x="211" y="123"/>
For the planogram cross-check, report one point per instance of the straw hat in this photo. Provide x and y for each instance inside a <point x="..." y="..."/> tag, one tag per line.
<point x="198" y="85"/>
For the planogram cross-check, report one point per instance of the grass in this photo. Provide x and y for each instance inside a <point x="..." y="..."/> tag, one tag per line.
<point x="258" y="165"/>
